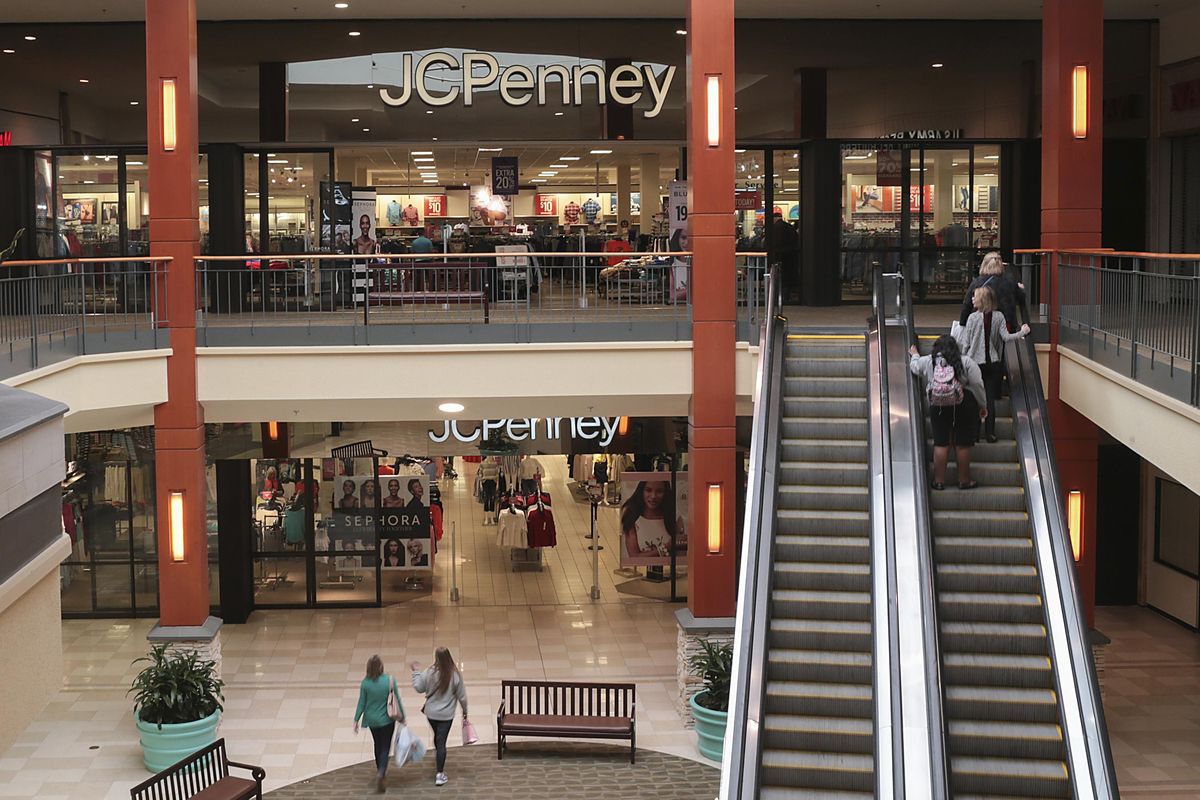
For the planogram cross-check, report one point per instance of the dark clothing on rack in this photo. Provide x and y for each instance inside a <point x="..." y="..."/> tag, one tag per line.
<point x="489" y="495"/>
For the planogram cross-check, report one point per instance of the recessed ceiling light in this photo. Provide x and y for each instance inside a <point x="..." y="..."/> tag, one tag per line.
<point x="370" y="86"/>
<point x="548" y="174"/>
<point x="84" y="80"/>
<point x="356" y="119"/>
<point x="89" y="181"/>
<point x="355" y="33"/>
<point x="600" y="152"/>
<point x="425" y="160"/>
<point x="435" y="138"/>
<point x="8" y="51"/>
<point x="794" y="169"/>
<point x="559" y="166"/>
<point x="428" y="174"/>
<point x="739" y="151"/>
<point x="681" y="32"/>
<point x="31" y="38"/>
<point x="451" y="408"/>
<point x="428" y="111"/>
<point x="535" y="180"/>
<point x="556" y="113"/>
<point x="341" y="5"/>
<point x="366" y="130"/>
<point x="989" y="174"/>
<point x="490" y="149"/>
<point x="427" y="181"/>
<point x="422" y="152"/>
<point x="136" y="163"/>
<point x="937" y="65"/>
<point x="568" y="158"/>
<point x="134" y="102"/>
<point x="992" y="158"/>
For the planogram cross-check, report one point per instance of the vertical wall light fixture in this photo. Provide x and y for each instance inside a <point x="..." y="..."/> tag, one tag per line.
<point x="273" y="431"/>
<point x="1079" y="101"/>
<point x="175" y="509"/>
<point x="1075" y="521"/>
<point x="713" y="110"/>
<point x="169" y="130"/>
<point x="715" y="514"/>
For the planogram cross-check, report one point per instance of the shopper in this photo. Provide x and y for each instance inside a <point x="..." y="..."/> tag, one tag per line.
<point x="957" y="402"/>
<point x="786" y="244"/>
<point x="982" y="340"/>
<point x="374" y="693"/>
<point x="1009" y="292"/>
<point x="442" y="685"/>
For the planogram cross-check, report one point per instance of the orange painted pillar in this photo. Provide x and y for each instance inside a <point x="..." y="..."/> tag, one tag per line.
<point x="1072" y="179"/>
<point x="712" y="576"/>
<point x="175" y="232"/>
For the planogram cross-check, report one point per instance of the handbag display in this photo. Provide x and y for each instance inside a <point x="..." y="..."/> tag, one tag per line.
<point x="469" y="734"/>
<point x="394" y="711"/>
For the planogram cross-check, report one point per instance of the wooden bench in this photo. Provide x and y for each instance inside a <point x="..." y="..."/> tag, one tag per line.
<point x="566" y="709"/>
<point x="204" y="775"/>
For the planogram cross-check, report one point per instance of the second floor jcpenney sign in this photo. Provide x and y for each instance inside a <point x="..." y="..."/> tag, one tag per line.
<point x="440" y="79"/>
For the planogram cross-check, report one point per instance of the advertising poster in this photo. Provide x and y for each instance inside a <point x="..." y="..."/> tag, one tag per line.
<point x="393" y="507"/>
<point x="489" y="209"/>
<point x="335" y="215"/>
<point x="435" y="205"/>
<point x="505" y="175"/>
<point x="545" y="205"/>
<point x="653" y="516"/>
<point x="677" y="206"/>
<point x="889" y="165"/>
<point x="363" y="217"/>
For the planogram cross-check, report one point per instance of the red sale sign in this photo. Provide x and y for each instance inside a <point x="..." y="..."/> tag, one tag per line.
<point x="545" y="205"/>
<point x="747" y="200"/>
<point x="435" y="205"/>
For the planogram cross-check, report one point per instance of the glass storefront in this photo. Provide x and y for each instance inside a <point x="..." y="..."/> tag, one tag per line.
<point x="930" y="210"/>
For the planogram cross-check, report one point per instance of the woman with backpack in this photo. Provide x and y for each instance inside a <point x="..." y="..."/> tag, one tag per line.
<point x="982" y="340"/>
<point x="957" y="402"/>
<point x="442" y="685"/>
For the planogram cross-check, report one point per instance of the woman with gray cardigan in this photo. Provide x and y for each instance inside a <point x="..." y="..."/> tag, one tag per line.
<point x="957" y="402"/>
<point x="443" y="687"/>
<point x="982" y="340"/>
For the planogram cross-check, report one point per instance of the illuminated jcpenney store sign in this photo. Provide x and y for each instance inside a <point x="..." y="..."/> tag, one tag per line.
<point x="444" y="77"/>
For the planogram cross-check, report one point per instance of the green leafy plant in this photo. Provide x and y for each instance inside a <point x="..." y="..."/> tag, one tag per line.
<point x="176" y="686"/>
<point x="714" y="665"/>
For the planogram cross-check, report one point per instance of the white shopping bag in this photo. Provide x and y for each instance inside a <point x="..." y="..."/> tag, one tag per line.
<point x="403" y="745"/>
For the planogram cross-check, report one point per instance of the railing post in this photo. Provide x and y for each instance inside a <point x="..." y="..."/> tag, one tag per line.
<point x="33" y="332"/>
<point x="82" y="316"/>
<point x="1133" y="323"/>
<point x="1195" y="340"/>
<point x="1094" y="277"/>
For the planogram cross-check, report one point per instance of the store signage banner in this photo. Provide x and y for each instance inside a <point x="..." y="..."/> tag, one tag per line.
<point x="926" y="134"/>
<point x="440" y="79"/>
<point x="545" y="205"/>
<point x="748" y="201"/>
<point x="399" y="520"/>
<point x="506" y="175"/>
<point x="602" y="430"/>
<point x="888" y="166"/>
<point x="1180" y="103"/>
<point x="363" y="218"/>
<point x="5" y="138"/>
<point x="435" y="205"/>
<point x="677" y="206"/>
<point x="653" y="516"/>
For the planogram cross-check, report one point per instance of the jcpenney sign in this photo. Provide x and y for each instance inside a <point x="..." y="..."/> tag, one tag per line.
<point x="520" y="85"/>
<point x="601" y="429"/>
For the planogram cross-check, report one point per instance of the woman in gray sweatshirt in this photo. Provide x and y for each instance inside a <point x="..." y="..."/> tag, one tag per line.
<point x="443" y="687"/>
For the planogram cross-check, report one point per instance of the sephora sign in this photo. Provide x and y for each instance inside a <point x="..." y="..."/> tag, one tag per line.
<point x="440" y="78"/>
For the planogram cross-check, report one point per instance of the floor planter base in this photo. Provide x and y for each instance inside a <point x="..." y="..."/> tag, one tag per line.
<point x="163" y="747"/>
<point x="710" y="728"/>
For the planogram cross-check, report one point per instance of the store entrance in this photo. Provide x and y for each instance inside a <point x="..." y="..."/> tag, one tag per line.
<point x="928" y="209"/>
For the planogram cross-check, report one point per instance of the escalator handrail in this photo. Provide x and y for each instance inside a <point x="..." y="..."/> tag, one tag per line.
<point x="937" y="719"/>
<point x="743" y="744"/>
<point x="1085" y="731"/>
<point x="885" y="646"/>
<point x="906" y="412"/>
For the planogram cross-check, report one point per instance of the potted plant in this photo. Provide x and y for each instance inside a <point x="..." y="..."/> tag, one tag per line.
<point x="710" y="705"/>
<point x="176" y="705"/>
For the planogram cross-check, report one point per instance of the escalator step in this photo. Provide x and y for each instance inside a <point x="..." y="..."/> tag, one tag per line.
<point x="801" y="604"/>
<point x="823" y="473"/>
<point x="818" y="770"/>
<point x="855" y="388"/>
<point x="843" y="348"/>
<point x="821" y="699"/>
<point x="1001" y="704"/>
<point x="980" y="523"/>
<point x="842" y="407"/>
<point x="994" y="637"/>
<point x="825" y="366"/>
<point x="819" y="734"/>
<point x="989" y="607"/>
<point x="1014" y="776"/>
<point x="848" y="428"/>
<point x="834" y="498"/>
<point x="838" y="549"/>
<point x="1021" y="578"/>
<point x="797" y="522"/>
<point x="1039" y="740"/>
<point x="996" y="669"/>
<point x="984" y="498"/>
<point x="790" y="793"/>
<point x="819" y="666"/>
<point x="821" y="634"/>
<point x="823" y="576"/>
<point x="983" y="550"/>
<point x="983" y="452"/>
<point x="839" y="450"/>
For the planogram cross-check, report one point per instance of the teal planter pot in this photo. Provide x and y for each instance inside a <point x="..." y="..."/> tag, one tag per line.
<point x="163" y="747"/>
<point x="710" y="728"/>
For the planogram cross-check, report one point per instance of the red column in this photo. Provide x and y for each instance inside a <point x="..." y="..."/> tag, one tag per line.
<point x="1072" y="177"/>
<point x="713" y="452"/>
<point x="175" y="232"/>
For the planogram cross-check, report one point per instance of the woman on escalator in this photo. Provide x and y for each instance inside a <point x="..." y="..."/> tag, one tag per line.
<point x="957" y="402"/>
<point x="982" y="340"/>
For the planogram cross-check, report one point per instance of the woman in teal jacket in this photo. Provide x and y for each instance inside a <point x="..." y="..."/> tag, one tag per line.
<point x="373" y="695"/>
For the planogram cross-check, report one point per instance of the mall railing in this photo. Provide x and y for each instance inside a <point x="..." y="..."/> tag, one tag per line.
<point x="1033" y="270"/>
<point x="458" y="298"/>
<point x="54" y="310"/>
<point x="1136" y="313"/>
<point x="744" y="740"/>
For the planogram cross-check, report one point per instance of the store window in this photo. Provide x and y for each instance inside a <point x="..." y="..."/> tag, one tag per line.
<point x="253" y="204"/>
<point x="109" y="514"/>
<point x="87" y="205"/>
<point x="1177" y="527"/>
<point x="280" y="533"/>
<point x="137" y="205"/>
<point x="283" y="200"/>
